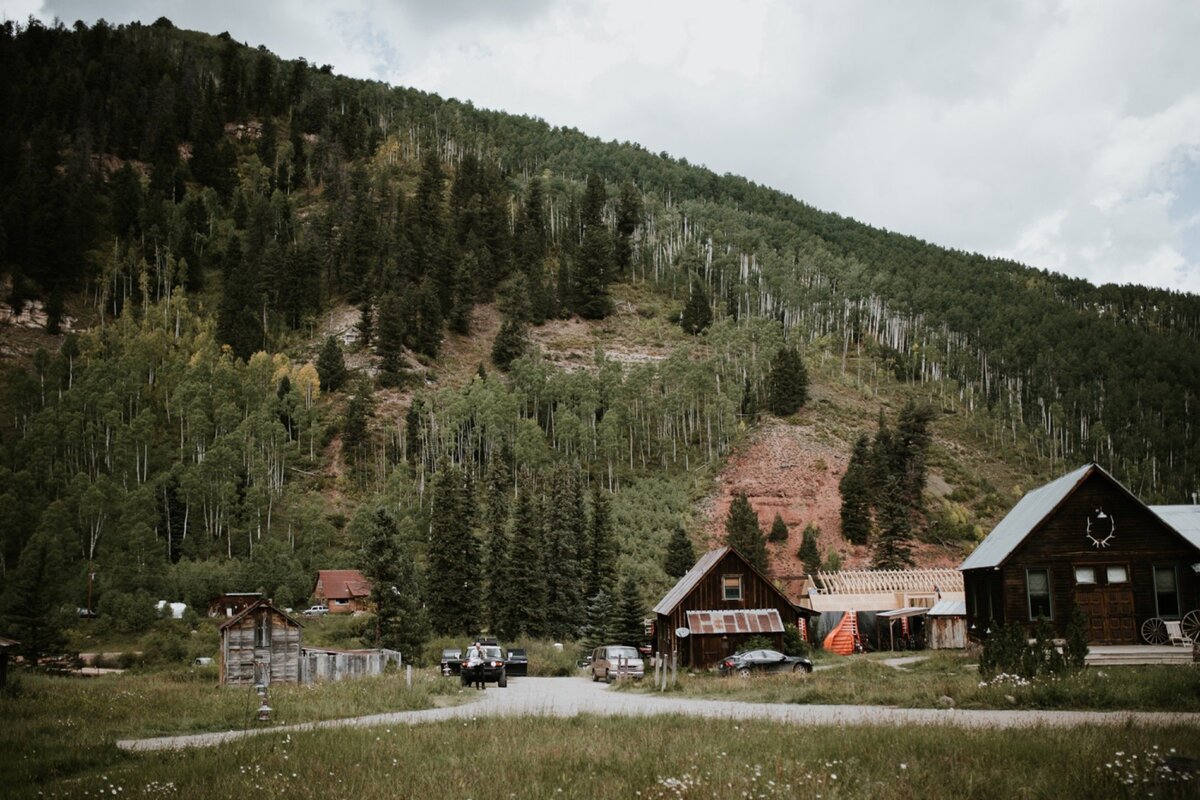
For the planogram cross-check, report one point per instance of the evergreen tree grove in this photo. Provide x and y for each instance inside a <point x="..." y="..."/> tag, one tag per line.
<point x="400" y="621"/>
<point x="331" y="365"/>
<point x="455" y="590"/>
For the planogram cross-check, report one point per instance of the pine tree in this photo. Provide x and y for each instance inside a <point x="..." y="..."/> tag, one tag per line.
<point x="856" y="494"/>
<point x="680" y="554"/>
<point x="599" y="614"/>
<point x="32" y="615"/>
<point x="331" y="365"/>
<point x="787" y="388"/>
<point x="594" y="263"/>
<point x="602" y="547"/>
<point x="400" y="620"/>
<point x="566" y="527"/>
<point x="509" y="344"/>
<point x="454" y="562"/>
<point x="355" y="437"/>
<point x="810" y="553"/>
<point x="779" y="529"/>
<point x="913" y="438"/>
<point x="629" y="216"/>
<point x="497" y="573"/>
<point x="238" y="323"/>
<point x="893" y="546"/>
<point x="743" y="534"/>
<point x="366" y="323"/>
<point x="626" y="626"/>
<point x="697" y="313"/>
<point x="389" y="340"/>
<point x="528" y="566"/>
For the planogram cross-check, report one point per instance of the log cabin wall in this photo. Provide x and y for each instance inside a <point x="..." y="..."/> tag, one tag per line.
<point x="1140" y="543"/>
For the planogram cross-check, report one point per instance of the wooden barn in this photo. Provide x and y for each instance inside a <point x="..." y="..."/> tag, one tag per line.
<point x="344" y="591"/>
<point x="260" y="645"/>
<point x="722" y="601"/>
<point x="1083" y="539"/>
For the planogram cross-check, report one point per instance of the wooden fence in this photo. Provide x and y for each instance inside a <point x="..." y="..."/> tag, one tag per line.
<point x="321" y="664"/>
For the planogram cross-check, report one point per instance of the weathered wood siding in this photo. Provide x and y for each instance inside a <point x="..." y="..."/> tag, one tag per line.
<point x="243" y="662"/>
<point x="947" y="633"/>
<point x="703" y="651"/>
<point x="1141" y="542"/>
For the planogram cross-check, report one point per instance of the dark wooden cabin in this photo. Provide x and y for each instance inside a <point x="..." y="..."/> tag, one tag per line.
<point x="260" y="645"/>
<point x="1083" y="539"/>
<point x="722" y="601"/>
<point x="6" y="645"/>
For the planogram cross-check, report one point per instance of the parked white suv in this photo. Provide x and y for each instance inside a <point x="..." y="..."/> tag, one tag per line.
<point x="316" y="611"/>
<point x="617" y="660"/>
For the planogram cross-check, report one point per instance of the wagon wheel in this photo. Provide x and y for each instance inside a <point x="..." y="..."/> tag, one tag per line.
<point x="1154" y="631"/>
<point x="1191" y="625"/>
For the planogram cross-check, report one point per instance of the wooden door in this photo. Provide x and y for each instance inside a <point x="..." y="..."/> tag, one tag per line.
<point x="1110" y="614"/>
<point x="712" y="649"/>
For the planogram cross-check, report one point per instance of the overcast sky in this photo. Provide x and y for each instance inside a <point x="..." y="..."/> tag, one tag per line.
<point x="1066" y="136"/>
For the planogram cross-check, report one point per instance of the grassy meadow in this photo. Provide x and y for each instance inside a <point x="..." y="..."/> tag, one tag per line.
<point x="864" y="680"/>
<point x="59" y="726"/>
<point x="595" y="758"/>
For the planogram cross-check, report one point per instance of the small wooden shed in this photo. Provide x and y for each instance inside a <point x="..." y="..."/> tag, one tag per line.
<point x="947" y="625"/>
<point x="260" y="645"/>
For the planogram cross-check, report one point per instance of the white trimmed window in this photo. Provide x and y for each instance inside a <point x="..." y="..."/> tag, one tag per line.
<point x="731" y="587"/>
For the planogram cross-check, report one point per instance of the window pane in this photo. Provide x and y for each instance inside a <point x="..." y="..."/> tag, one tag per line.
<point x="1164" y="580"/>
<point x="1039" y="581"/>
<point x="1086" y="575"/>
<point x="1165" y="592"/>
<point x="1117" y="575"/>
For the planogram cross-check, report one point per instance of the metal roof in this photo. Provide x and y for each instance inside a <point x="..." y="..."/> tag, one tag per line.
<point x="753" y="620"/>
<point x="688" y="581"/>
<point x="1185" y="519"/>
<point x="1024" y="517"/>
<point x="949" y="608"/>
<point x="907" y="611"/>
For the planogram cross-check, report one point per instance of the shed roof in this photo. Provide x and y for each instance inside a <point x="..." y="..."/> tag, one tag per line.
<point x="752" y="620"/>
<point x="689" y="581"/>
<point x="949" y="608"/>
<point x="1185" y="519"/>
<point x="1026" y="515"/>
<point x="250" y="608"/>
<point x="907" y="611"/>
<point x="343" y="584"/>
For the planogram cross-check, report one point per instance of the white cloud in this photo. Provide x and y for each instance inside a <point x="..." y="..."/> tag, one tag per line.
<point x="1066" y="135"/>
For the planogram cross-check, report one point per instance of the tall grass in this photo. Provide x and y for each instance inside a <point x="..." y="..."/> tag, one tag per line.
<point x="599" y="758"/>
<point x="925" y="684"/>
<point x="56" y="726"/>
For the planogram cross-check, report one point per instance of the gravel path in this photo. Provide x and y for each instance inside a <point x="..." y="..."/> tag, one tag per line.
<point x="567" y="697"/>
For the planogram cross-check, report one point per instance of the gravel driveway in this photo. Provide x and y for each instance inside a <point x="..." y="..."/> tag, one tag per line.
<point x="566" y="697"/>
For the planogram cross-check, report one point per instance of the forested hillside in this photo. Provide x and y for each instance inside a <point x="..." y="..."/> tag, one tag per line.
<point x="198" y="206"/>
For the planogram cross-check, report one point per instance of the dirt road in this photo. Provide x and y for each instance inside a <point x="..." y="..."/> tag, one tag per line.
<point x="565" y="697"/>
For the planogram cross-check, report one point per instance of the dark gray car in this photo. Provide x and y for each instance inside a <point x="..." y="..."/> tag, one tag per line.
<point x="752" y="661"/>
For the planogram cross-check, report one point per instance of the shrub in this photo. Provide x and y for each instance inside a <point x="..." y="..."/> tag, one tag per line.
<point x="793" y="645"/>
<point x="1076" y="648"/>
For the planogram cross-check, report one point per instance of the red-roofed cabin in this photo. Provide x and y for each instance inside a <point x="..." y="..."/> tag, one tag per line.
<point x="343" y="590"/>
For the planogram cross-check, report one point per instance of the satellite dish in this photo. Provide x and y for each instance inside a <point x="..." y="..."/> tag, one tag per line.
<point x="682" y="633"/>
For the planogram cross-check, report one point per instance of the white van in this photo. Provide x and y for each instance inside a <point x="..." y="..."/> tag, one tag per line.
<point x="616" y="661"/>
